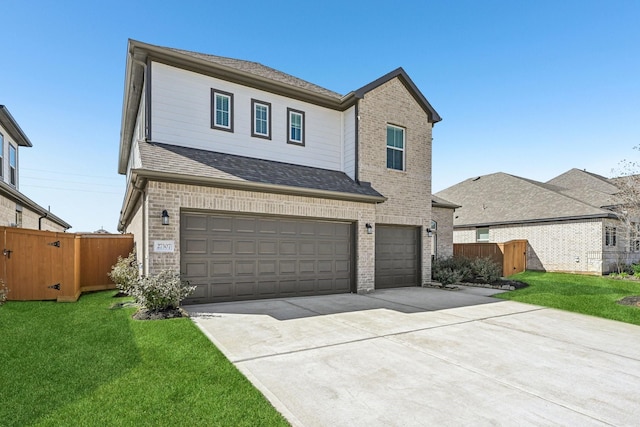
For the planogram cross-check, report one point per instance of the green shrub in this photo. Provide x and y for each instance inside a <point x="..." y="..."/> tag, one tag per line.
<point x="163" y="291"/>
<point x="447" y="276"/>
<point x="636" y="269"/>
<point x="486" y="270"/>
<point x="460" y="265"/>
<point x="125" y="273"/>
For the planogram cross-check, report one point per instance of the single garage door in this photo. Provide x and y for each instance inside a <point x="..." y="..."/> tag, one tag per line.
<point x="397" y="256"/>
<point x="237" y="257"/>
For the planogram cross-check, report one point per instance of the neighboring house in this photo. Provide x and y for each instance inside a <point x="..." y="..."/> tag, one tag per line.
<point x="16" y="209"/>
<point x="568" y="221"/>
<point x="442" y="212"/>
<point x="271" y="186"/>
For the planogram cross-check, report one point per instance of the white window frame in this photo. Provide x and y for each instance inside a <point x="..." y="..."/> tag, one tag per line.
<point x="215" y="124"/>
<point x="401" y="150"/>
<point x="610" y="238"/>
<point x="13" y="168"/>
<point x="290" y="113"/>
<point x="478" y="230"/>
<point x="254" y="119"/>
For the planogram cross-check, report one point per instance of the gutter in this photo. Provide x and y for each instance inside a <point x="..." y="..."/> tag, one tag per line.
<point x="533" y="221"/>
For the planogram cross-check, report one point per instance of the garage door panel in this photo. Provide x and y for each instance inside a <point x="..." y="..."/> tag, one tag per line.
<point x="240" y="257"/>
<point x="196" y="269"/>
<point x="221" y="268"/>
<point x="245" y="247"/>
<point x="221" y="247"/>
<point x="195" y="246"/>
<point x="221" y="224"/>
<point x="201" y="290"/>
<point x="195" y="222"/>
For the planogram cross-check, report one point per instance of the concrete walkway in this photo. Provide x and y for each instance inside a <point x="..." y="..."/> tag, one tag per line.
<point x="419" y="356"/>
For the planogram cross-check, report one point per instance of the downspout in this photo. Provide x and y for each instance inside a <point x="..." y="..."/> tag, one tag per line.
<point x="40" y="220"/>
<point x="356" y="159"/>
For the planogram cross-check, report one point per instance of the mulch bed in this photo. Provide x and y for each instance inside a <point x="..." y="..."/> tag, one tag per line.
<point x="632" y="301"/>
<point x="173" y="313"/>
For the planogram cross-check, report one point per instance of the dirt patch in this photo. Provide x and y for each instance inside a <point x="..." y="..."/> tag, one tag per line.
<point x="633" y="301"/>
<point x="173" y="313"/>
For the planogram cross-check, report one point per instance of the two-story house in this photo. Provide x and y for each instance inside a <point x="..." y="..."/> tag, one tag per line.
<point x="16" y="209"/>
<point x="257" y="184"/>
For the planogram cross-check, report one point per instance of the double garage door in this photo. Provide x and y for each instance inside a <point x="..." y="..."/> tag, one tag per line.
<point x="240" y="257"/>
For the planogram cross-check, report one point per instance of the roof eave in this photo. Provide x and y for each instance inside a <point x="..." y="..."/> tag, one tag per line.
<point x="20" y="198"/>
<point x="254" y="186"/>
<point x="402" y="75"/>
<point x="532" y="221"/>
<point x="12" y="127"/>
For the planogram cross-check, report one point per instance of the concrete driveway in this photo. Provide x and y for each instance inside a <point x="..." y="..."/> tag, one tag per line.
<point x="420" y="356"/>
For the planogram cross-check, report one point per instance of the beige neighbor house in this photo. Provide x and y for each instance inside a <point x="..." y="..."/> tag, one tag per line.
<point x="256" y="184"/>
<point x="569" y="221"/>
<point x="442" y="212"/>
<point x="16" y="209"/>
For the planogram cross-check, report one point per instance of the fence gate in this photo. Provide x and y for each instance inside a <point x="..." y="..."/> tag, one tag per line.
<point x="515" y="257"/>
<point x="37" y="264"/>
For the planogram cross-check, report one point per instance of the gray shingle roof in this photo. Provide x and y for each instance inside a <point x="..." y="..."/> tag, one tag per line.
<point x="502" y="198"/>
<point x="174" y="159"/>
<point x="581" y="179"/>
<point x="258" y="69"/>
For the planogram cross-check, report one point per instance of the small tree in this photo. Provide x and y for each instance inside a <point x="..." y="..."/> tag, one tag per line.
<point x="125" y="273"/>
<point x="627" y="208"/>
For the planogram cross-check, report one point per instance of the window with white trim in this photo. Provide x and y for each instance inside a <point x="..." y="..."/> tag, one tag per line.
<point x="221" y="110"/>
<point x="260" y="119"/>
<point x="295" y="126"/>
<point x="634" y="237"/>
<point x="395" y="147"/>
<point x="482" y="234"/>
<point x="13" y="162"/>
<point x="1" y="155"/>
<point x="610" y="236"/>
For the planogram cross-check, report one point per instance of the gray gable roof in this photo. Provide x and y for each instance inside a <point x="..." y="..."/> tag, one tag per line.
<point x="229" y="170"/>
<point x="9" y="123"/>
<point x="501" y="198"/>
<point x="581" y="179"/>
<point x="258" y="69"/>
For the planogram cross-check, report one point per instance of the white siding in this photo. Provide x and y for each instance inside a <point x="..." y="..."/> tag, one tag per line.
<point x="181" y="115"/>
<point x="349" y="126"/>
<point x="6" y="172"/>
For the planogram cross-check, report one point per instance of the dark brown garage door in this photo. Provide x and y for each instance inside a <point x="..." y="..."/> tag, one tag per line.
<point x="397" y="256"/>
<point x="237" y="257"/>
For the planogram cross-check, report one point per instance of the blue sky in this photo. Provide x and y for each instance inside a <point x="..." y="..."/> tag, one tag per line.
<point x="531" y="88"/>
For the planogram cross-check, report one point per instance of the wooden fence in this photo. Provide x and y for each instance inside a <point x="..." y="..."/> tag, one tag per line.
<point x="45" y="265"/>
<point x="511" y="255"/>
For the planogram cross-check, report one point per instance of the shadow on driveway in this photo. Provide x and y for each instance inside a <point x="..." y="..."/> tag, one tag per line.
<point x="403" y="300"/>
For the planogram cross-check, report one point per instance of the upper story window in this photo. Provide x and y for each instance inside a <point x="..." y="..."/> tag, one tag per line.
<point x="221" y="110"/>
<point x="1" y="155"/>
<point x="12" y="165"/>
<point x="260" y="119"/>
<point x="610" y="236"/>
<point x="482" y="234"/>
<point x="395" y="147"/>
<point x="295" y="125"/>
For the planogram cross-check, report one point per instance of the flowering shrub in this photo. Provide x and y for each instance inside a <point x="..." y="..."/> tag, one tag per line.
<point x="3" y="292"/>
<point x="163" y="291"/>
<point x="125" y="273"/>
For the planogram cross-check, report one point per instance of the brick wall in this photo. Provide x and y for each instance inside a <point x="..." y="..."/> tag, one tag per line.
<point x="443" y="236"/>
<point x="177" y="197"/>
<point x="408" y="191"/>
<point x="569" y="246"/>
<point x="30" y="219"/>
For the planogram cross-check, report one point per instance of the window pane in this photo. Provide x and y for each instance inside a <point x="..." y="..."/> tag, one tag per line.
<point x="295" y="132"/>
<point x="222" y="110"/>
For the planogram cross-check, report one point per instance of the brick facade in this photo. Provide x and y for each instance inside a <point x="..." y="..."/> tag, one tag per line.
<point x="176" y="198"/>
<point x="408" y="191"/>
<point x="442" y="239"/>
<point x="565" y="246"/>
<point x="30" y="219"/>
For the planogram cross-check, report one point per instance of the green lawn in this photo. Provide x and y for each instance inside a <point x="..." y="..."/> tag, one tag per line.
<point x="594" y="295"/>
<point x="87" y="364"/>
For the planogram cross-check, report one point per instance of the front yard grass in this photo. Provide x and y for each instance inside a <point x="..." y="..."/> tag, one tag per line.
<point x="87" y="364"/>
<point x="594" y="295"/>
